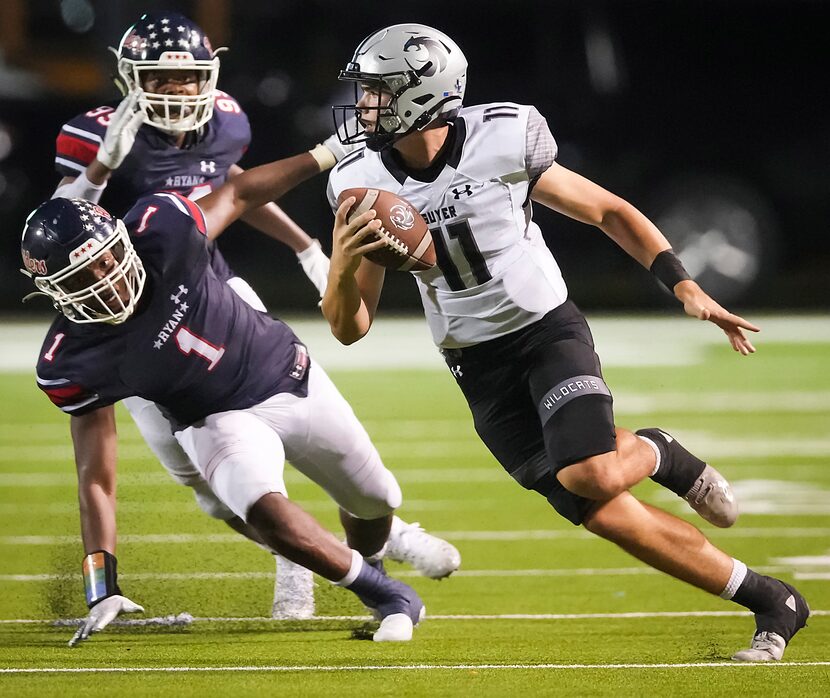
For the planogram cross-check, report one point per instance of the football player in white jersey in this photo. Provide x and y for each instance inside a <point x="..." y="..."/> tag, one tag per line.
<point x="498" y="310"/>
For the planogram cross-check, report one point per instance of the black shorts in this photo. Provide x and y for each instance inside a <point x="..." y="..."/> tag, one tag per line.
<point x="539" y="402"/>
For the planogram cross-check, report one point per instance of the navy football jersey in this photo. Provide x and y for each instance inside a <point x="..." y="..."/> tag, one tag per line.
<point x="192" y="346"/>
<point x="155" y="163"/>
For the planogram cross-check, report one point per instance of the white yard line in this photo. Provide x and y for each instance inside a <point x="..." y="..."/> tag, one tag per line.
<point x="187" y="619"/>
<point x="405" y="342"/>
<point x="521" y="573"/>
<point x="533" y="534"/>
<point x="709" y="444"/>
<point x="400" y="667"/>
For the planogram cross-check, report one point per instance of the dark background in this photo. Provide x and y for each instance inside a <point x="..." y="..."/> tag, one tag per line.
<point x="707" y="115"/>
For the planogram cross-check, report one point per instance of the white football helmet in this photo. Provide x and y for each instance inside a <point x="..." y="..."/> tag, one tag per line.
<point x="422" y="68"/>
<point x="169" y="41"/>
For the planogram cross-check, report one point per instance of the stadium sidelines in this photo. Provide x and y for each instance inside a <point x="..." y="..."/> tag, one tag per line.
<point x="398" y="342"/>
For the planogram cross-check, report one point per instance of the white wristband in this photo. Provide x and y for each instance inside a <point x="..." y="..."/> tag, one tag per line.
<point x="324" y="157"/>
<point x="80" y="188"/>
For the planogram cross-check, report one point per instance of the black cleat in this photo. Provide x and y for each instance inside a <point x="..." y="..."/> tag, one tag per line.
<point x="776" y="627"/>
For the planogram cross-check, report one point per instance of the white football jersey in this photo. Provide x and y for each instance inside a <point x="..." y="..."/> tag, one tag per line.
<point x="494" y="273"/>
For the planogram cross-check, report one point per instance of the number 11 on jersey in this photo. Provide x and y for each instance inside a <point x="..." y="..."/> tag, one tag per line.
<point x="461" y="231"/>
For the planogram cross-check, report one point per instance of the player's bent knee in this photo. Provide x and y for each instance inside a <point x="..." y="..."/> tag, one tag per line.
<point x="381" y="499"/>
<point x="209" y="503"/>
<point x="596" y="477"/>
<point x="567" y="504"/>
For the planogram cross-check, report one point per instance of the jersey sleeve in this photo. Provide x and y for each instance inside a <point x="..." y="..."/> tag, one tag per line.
<point x="540" y="146"/>
<point x="232" y="122"/>
<point x="331" y="196"/>
<point x="58" y="375"/>
<point x="79" y="139"/>
<point x="164" y="212"/>
<point x="70" y="397"/>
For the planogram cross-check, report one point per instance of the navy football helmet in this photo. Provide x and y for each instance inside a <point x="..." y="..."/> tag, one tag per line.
<point x="418" y="73"/>
<point x="64" y="247"/>
<point x="161" y="41"/>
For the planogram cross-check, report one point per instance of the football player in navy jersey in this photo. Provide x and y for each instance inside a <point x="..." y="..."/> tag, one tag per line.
<point x="498" y="309"/>
<point x="174" y="131"/>
<point x="143" y="312"/>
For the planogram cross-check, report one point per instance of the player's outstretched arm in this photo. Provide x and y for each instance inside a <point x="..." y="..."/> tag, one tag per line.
<point x="95" y="440"/>
<point x="271" y="220"/>
<point x="117" y="143"/>
<point x="354" y="285"/>
<point x="579" y="198"/>
<point x="253" y="188"/>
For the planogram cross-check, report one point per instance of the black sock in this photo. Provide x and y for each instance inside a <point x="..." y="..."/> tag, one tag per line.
<point x="371" y="584"/>
<point x="678" y="468"/>
<point x="759" y="593"/>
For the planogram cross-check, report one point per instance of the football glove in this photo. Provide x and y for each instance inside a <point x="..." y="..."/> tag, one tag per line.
<point x="315" y="264"/>
<point x="102" y="614"/>
<point x="121" y="132"/>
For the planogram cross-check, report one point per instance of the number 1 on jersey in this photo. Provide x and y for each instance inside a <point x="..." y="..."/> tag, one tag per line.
<point x="189" y="342"/>
<point x="461" y="231"/>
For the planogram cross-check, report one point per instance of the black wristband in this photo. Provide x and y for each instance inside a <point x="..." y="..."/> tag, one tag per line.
<point x="669" y="269"/>
<point x="100" y="576"/>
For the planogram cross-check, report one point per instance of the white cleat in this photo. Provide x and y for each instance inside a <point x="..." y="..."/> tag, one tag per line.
<point x="712" y="498"/>
<point x="397" y="628"/>
<point x="431" y="556"/>
<point x="766" y="647"/>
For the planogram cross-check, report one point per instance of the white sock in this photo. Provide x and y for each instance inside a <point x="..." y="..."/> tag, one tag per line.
<point x="735" y="579"/>
<point x="354" y="570"/>
<point x="656" y="453"/>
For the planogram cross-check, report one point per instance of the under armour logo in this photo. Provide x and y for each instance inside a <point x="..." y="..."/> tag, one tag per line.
<point x="457" y="192"/>
<point x="175" y="296"/>
<point x="456" y="371"/>
<point x="208" y="166"/>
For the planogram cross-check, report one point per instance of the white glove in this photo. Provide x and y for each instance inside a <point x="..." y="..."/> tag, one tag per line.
<point x="341" y="150"/>
<point x="315" y="264"/>
<point x="121" y="132"/>
<point x="102" y="614"/>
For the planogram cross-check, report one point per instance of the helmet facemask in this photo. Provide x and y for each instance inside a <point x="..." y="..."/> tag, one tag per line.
<point x="170" y="112"/>
<point x="110" y="299"/>
<point x="386" y="123"/>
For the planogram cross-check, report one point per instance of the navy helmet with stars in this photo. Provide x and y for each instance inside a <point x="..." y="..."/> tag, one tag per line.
<point x="63" y="240"/>
<point x="161" y="41"/>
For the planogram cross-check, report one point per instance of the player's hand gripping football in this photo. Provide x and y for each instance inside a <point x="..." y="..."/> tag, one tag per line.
<point x="121" y="132"/>
<point x="102" y="614"/>
<point x="353" y="239"/>
<point x="698" y="304"/>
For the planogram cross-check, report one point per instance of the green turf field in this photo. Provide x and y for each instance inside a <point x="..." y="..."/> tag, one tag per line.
<point x="539" y="608"/>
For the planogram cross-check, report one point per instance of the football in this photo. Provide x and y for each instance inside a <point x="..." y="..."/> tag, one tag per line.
<point x="409" y="244"/>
